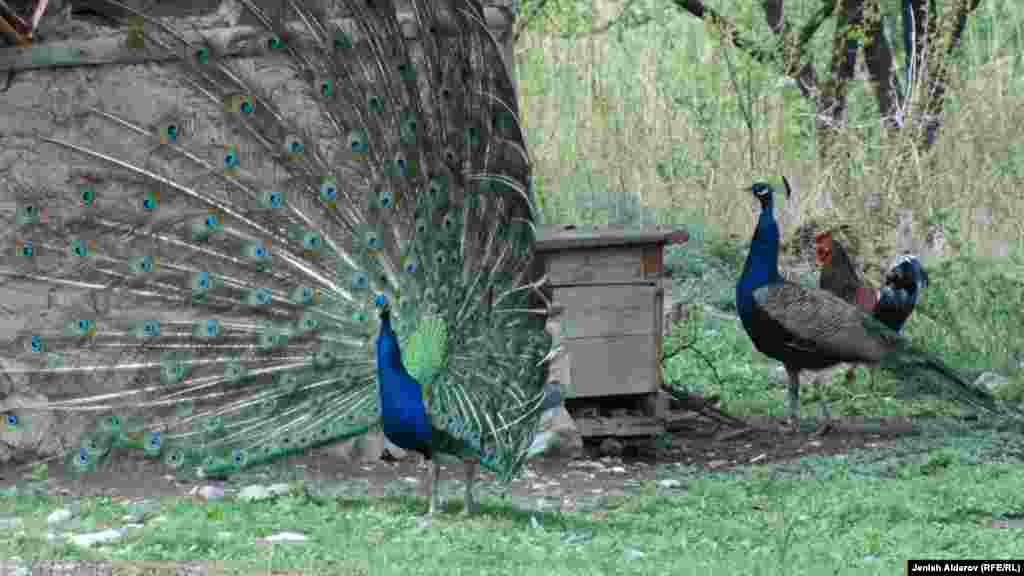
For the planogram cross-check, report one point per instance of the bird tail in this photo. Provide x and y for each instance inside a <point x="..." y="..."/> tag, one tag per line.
<point x="224" y="244"/>
<point x="921" y="372"/>
<point x="518" y="432"/>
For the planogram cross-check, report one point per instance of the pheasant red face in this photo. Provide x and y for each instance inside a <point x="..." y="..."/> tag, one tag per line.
<point x="823" y="248"/>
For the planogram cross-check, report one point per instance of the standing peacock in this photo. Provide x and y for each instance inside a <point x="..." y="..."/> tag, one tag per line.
<point x="352" y="254"/>
<point x="809" y="329"/>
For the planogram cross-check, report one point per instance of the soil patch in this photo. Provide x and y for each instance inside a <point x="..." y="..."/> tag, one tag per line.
<point x="697" y="443"/>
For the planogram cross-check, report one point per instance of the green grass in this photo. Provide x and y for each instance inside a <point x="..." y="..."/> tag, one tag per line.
<point x="638" y="128"/>
<point x="839" y="515"/>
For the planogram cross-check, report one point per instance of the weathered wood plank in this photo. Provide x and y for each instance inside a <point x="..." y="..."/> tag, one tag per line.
<point x="613" y="366"/>
<point x="597" y="265"/>
<point x="621" y="427"/>
<point x="235" y="41"/>
<point x="652" y="261"/>
<point x="605" y="311"/>
<point x="560" y="237"/>
<point x="652" y="282"/>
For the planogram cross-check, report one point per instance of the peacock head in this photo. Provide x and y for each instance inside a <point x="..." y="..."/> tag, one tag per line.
<point x="907" y="273"/>
<point x="383" y="307"/>
<point x="763" y="191"/>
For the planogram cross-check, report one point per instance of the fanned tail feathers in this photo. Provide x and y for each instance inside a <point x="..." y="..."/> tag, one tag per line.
<point x="222" y="254"/>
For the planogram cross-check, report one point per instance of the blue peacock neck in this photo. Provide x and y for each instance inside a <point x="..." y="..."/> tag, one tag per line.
<point x="388" y="354"/>
<point x="762" y="265"/>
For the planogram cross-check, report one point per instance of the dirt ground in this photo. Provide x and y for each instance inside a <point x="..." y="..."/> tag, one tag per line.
<point x="695" y="443"/>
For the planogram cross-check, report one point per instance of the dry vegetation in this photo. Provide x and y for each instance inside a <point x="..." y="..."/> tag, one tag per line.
<point x="651" y="117"/>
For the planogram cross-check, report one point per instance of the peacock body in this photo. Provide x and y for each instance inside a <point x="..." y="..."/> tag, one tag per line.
<point x="809" y="329"/>
<point x="347" y="250"/>
<point x="898" y="295"/>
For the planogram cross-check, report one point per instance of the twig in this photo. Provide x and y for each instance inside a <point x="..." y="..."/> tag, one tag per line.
<point x="690" y="346"/>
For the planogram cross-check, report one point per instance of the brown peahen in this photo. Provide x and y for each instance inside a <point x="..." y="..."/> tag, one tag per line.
<point x="810" y="329"/>
<point x="352" y="249"/>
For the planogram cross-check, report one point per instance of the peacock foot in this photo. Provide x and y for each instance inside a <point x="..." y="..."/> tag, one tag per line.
<point x="435" y="485"/>
<point x="826" y="420"/>
<point x="793" y="424"/>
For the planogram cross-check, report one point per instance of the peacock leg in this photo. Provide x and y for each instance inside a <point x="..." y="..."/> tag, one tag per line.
<point x="435" y="486"/>
<point x="851" y="375"/>
<point x="470" y="477"/>
<point x="826" y="424"/>
<point x="794" y="398"/>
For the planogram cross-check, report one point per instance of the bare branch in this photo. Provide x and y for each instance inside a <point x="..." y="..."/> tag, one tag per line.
<point x="727" y="27"/>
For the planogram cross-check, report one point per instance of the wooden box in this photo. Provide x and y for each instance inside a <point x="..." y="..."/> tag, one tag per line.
<point x="608" y="286"/>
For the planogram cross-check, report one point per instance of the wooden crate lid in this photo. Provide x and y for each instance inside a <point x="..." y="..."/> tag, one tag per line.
<point x="571" y="237"/>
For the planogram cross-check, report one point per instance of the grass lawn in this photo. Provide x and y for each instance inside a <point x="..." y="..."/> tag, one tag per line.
<point x="861" y="513"/>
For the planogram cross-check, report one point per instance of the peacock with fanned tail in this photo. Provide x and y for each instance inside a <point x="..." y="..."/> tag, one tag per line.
<point x="290" y="286"/>
<point x="811" y="329"/>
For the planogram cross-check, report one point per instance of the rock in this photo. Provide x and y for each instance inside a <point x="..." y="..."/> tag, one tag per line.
<point x="557" y="435"/>
<point x="367" y="448"/>
<point x="94" y="538"/>
<point x="141" y="511"/>
<point x="993" y="382"/>
<point x="279" y="489"/>
<point x="261" y="492"/>
<point x="670" y="483"/>
<point x="676" y="312"/>
<point x="631" y="553"/>
<point x="42" y="434"/>
<point x="59" y="516"/>
<point x="587" y="464"/>
<point x="28" y="439"/>
<point x="254" y="493"/>
<point x="209" y="492"/>
<point x="10" y="523"/>
<point x="285" y="537"/>
<point x="779" y="375"/>
<point x="611" y="447"/>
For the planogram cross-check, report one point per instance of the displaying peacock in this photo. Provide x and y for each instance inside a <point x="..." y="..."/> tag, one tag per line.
<point x="350" y="250"/>
<point x="810" y="329"/>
